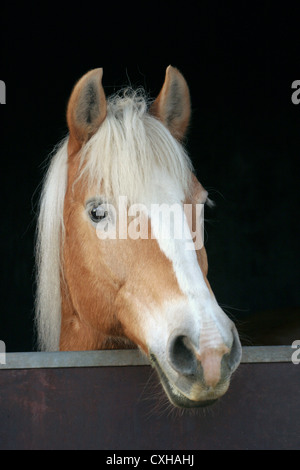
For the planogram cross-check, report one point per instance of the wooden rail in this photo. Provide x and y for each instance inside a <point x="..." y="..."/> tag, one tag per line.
<point x="115" y="358"/>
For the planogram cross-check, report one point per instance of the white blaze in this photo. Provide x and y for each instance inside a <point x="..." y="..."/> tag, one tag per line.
<point x="207" y="324"/>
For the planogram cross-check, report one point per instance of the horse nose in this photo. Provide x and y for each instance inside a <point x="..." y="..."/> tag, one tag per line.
<point x="235" y="355"/>
<point x="182" y="356"/>
<point x="216" y="363"/>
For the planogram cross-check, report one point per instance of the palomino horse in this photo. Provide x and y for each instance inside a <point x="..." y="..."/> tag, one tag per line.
<point x="96" y="292"/>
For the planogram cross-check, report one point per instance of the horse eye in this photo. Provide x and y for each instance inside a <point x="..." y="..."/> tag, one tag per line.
<point x="97" y="213"/>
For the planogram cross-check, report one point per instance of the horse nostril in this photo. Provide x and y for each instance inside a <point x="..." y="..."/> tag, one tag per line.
<point x="235" y="354"/>
<point x="181" y="355"/>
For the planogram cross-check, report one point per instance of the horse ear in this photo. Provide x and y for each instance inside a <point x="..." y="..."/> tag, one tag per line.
<point x="173" y="105"/>
<point x="86" y="108"/>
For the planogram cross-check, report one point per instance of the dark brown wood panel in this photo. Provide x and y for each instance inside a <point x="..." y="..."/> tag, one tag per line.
<point x="118" y="408"/>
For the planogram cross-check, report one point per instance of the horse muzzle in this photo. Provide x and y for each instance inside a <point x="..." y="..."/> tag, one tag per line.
<point x="192" y="379"/>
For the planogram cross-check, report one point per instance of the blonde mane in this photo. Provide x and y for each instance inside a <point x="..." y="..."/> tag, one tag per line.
<point x="122" y="158"/>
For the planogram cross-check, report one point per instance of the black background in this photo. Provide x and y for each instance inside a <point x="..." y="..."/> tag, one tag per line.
<point x="239" y="61"/>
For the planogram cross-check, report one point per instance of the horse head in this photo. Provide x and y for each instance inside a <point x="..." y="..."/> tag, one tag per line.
<point x="149" y="291"/>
